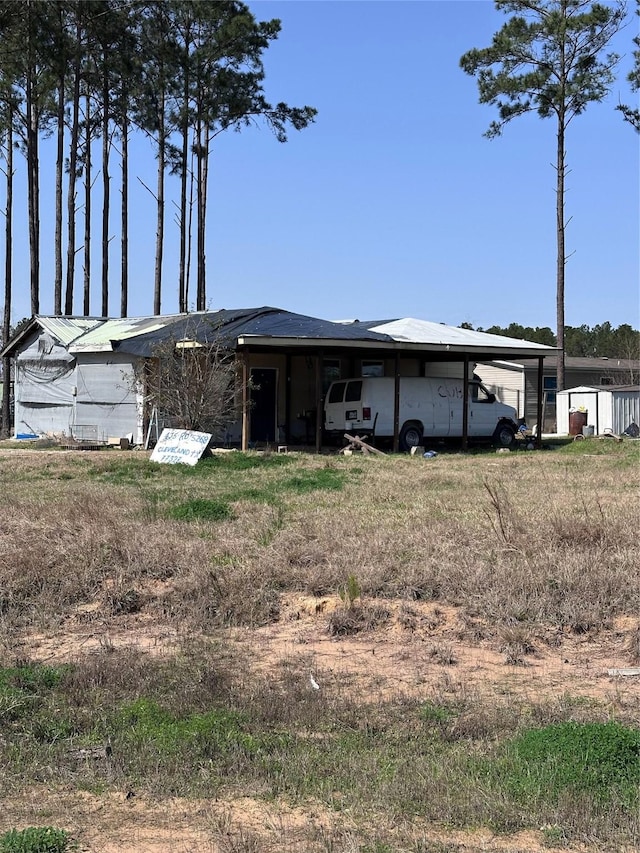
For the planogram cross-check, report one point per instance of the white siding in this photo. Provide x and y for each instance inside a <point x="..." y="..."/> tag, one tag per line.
<point x="507" y="383"/>
<point x="44" y="383"/>
<point x="106" y="402"/>
<point x="625" y="408"/>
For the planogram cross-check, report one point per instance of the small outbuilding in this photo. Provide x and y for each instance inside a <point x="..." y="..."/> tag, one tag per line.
<point x="612" y="409"/>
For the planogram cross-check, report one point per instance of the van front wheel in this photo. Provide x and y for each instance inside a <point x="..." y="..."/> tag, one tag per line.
<point x="504" y="436"/>
<point x="410" y="436"/>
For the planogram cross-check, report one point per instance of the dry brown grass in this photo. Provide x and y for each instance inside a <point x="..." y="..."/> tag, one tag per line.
<point x="528" y="548"/>
<point x="536" y="538"/>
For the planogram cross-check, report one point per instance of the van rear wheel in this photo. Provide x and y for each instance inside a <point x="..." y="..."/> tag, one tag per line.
<point x="410" y="436"/>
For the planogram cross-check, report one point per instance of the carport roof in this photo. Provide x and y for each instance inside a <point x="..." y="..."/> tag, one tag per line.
<point x="413" y="330"/>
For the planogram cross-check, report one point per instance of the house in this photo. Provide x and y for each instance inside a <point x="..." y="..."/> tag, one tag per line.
<point x="75" y="376"/>
<point x="516" y="382"/>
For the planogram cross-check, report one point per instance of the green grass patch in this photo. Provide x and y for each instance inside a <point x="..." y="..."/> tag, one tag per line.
<point x="31" y="677"/>
<point x="148" y="733"/>
<point x="239" y="461"/>
<point x="36" y="839"/>
<point x="310" y="481"/>
<point x="598" y="759"/>
<point x="202" y="509"/>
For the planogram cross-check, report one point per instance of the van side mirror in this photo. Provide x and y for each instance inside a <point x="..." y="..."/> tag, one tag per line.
<point x="491" y="398"/>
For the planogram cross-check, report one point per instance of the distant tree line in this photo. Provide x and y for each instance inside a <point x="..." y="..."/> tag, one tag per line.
<point x="603" y="340"/>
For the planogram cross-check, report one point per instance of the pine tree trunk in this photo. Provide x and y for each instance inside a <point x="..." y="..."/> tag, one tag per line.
<point x="6" y="324"/>
<point x="182" y="273"/>
<point x="57" y="290"/>
<point x="86" y="290"/>
<point x="71" y="194"/>
<point x="560" y="259"/>
<point x="192" y="173"/>
<point x="32" y="187"/>
<point x="200" y="190"/>
<point x="157" y="289"/>
<point x="105" y="194"/>
<point x="124" y="211"/>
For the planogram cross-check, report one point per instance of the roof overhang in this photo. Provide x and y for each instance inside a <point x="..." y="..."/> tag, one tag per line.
<point x="449" y="351"/>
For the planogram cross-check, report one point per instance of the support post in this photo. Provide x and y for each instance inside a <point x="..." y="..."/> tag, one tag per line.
<point x="396" y="404"/>
<point x="287" y="400"/>
<point x="465" y="402"/>
<point x="246" y="402"/>
<point x="539" y="411"/>
<point x="319" y="412"/>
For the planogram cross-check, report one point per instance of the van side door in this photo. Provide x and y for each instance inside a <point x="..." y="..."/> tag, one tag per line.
<point x="482" y="410"/>
<point x="444" y="408"/>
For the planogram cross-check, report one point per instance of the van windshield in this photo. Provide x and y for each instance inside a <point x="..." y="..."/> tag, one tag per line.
<point x="354" y="392"/>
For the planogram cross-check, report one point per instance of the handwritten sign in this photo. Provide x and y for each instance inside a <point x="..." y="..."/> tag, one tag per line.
<point x="180" y="446"/>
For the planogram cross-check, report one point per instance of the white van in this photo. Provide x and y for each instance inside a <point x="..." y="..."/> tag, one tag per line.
<point x="429" y="408"/>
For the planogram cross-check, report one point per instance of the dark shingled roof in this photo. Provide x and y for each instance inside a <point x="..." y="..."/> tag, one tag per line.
<point x="224" y="327"/>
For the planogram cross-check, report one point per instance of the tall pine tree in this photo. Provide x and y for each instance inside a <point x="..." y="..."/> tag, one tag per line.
<point x="549" y="58"/>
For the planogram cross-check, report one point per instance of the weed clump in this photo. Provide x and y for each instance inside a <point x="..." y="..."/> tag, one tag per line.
<point x="36" y="839"/>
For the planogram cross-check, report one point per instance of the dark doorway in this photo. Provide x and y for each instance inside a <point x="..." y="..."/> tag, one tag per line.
<point x="264" y="407"/>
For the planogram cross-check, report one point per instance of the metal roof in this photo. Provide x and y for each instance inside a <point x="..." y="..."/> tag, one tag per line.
<point x="591" y="389"/>
<point x="412" y="330"/>
<point x="110" y="333"/>
<point x="67" y="329"/>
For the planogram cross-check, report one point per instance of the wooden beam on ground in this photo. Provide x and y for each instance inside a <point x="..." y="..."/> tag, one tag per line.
<point x="354" y="439"/>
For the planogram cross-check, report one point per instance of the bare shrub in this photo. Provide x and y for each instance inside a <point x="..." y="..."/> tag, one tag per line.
<point x="192" y="381"/>
<point x="345" y="621"/>
<point x="516" y="642"/>
<point x="443" y="654"/>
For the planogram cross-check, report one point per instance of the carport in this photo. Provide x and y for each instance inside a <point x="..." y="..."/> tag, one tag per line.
<point x="397" y="343"/>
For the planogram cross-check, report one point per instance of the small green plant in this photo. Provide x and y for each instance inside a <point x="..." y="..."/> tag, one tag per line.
<point x="436" y="714"/>
<point x="31" y="677"/>
<point x="553" y="835"/>
<point x="36" y="839"/>
<point x="349" y="592"/>
<point x="201" y="509"/>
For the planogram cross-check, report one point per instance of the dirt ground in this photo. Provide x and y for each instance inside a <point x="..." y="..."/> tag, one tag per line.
<point x="420" y="650"/>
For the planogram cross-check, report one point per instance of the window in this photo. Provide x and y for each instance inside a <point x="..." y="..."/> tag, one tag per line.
<point x="354" y="392"/>
<point x="337" y="392"/>
<point x="549" y="385"/>
<point x="372" y="368"/>
<point x="607" y="380"/>
<point x="479" y="394"/>
<point x="330" y="372"/>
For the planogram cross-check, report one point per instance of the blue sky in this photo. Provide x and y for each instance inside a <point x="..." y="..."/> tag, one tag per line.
<point x="393" y="204"/>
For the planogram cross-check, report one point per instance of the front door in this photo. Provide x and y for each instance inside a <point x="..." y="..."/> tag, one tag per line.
<point x="264" y="404"/>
